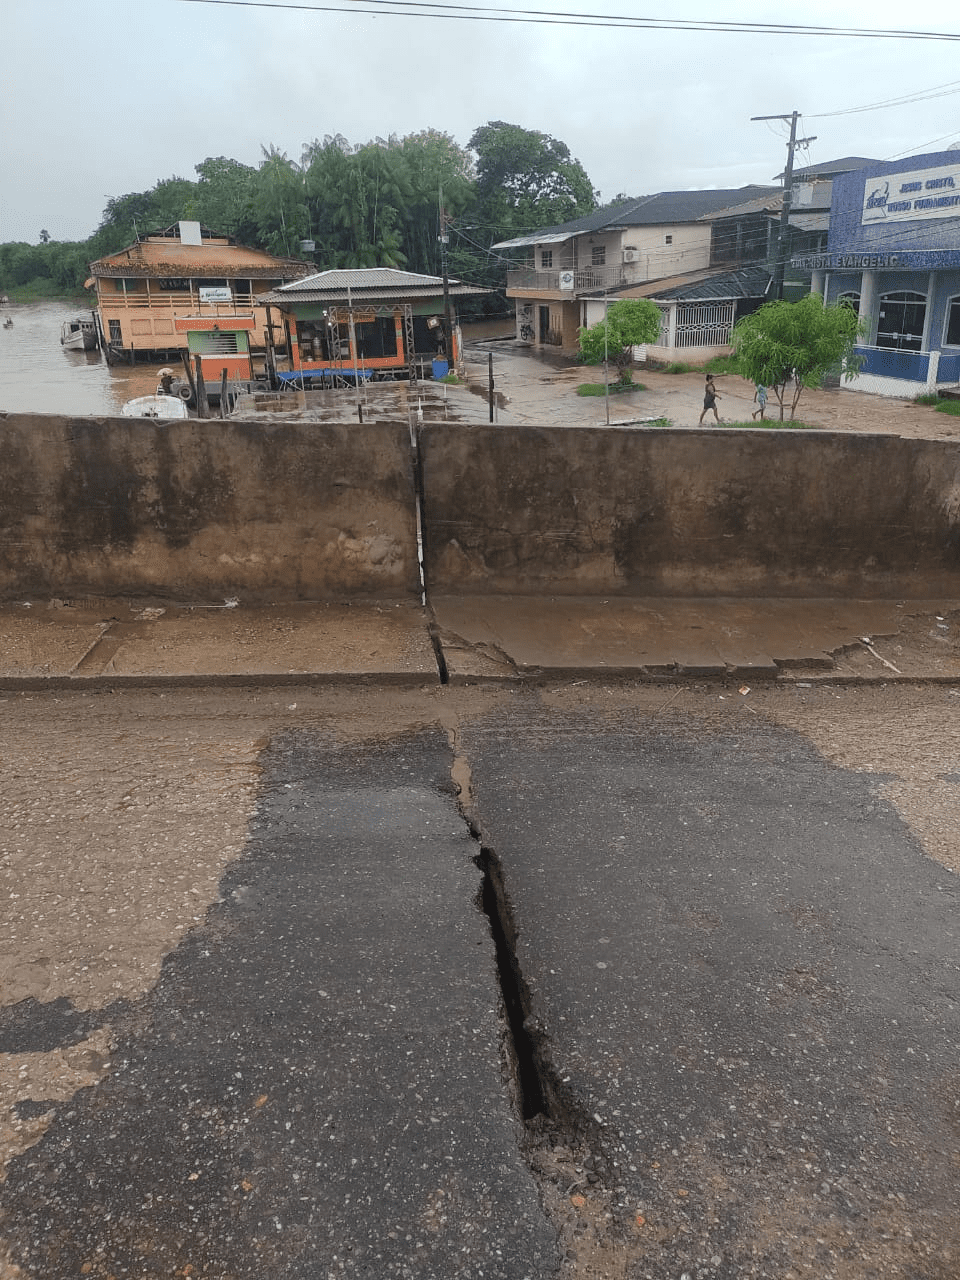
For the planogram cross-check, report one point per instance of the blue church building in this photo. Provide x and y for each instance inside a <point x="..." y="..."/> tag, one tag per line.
<point x="893" y="253"/>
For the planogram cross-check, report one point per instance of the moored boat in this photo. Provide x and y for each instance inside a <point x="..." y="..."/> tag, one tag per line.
<point x="158" y="406"/>
<point x="78" y="335"/>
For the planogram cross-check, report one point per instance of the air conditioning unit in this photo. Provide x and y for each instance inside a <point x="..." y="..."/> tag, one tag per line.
<point x="630" y="255"/>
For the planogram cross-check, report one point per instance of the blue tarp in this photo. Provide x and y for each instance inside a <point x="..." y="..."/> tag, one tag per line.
<point x="300" y="375"/>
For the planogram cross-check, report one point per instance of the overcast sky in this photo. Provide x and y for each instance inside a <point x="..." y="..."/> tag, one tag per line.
<point x="104" y="97"/>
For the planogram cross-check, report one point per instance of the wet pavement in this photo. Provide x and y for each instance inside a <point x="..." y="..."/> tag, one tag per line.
<point x="708" y="1026"/>
<point x="744" y="976"/>
<point x="314" y="1085"/>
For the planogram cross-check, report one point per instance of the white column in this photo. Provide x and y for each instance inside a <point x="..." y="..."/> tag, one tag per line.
<point x="816" y="283"/>
<point x="928" y="314"/>
<point x="868" y="307"/>
<point x="672" y="327"/>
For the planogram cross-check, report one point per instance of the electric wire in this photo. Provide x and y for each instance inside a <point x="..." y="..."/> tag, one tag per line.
<point x="550" y="17"/>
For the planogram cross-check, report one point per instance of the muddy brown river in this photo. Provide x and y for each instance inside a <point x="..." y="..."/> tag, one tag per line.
<point x="38" y="376"/>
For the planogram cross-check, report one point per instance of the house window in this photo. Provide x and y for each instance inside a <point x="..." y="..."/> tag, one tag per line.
<point x="598" y="255"/>
<point x="952" y="338"/>
<point x="546" y="258"/>
<point x="668" y="239"/>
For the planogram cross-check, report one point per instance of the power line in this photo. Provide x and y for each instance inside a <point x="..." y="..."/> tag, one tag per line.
<point x="550" y="17"/>
<point x="921" y="95"/>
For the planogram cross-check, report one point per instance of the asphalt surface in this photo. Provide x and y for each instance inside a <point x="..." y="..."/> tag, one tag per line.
<point x="739" y="978"/>
<point x="314" y="1087"/>
<point x="745" y="977"/>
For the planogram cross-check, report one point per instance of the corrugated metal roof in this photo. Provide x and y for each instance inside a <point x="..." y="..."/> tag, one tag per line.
<point x="363" y="278"/>
<point x="706" y="286"/>
<point x="749" y="282"/>
<point x="372" y="284"/>
<point x="666" y="208"/>
<point x="769" y="202"/>
<point x="819" y="221"/>
<point x="829" y="168"/>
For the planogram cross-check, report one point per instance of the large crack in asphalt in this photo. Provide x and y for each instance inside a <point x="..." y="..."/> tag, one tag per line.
<point x="562" y="1144"/>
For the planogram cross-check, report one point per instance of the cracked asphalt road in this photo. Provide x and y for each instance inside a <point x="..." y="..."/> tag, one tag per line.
<point x="246" y="983"/>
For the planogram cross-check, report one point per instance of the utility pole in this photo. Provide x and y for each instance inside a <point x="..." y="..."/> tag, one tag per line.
<point x="444" y="238"/>
<point x="783" y="234"/>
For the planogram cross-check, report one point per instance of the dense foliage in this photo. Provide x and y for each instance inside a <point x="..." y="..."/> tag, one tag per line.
<point x="629" y="323"/>
<point x="383" y="203"/>
<point x="787" y="346"/>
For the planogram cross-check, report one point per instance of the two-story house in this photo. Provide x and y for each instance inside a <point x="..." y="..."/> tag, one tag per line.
<point x="606" y="255"/>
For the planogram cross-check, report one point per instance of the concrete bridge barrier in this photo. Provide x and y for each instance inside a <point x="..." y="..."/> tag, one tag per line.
<point x="193" y="509"/>
<point x="646" y="512"/>
<point x="301" y="511"/>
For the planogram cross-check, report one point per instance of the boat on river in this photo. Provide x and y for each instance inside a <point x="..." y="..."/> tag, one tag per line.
<point x="158" y="406"/>
<point x="78" y="335"/>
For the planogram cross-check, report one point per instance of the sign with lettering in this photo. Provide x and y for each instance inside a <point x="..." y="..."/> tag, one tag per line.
<point x="215" y="293"/>
<point x="910" y="197"/>
<point x="905" y="260"/>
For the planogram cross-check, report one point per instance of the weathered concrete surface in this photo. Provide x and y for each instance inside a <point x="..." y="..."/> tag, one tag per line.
<point x="191" y="510"/>
<point x="314" y="1086"/>
<point x="94" y="642"/>
<point x="555" y="511"/>
<point x="512" y="637"/>
<point x="126" y="641"/>
<point x="746" y="976"/>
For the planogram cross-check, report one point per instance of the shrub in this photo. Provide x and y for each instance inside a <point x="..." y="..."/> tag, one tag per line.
<point x="616" y="388"/>
<point x="928" y="397"/>
<point x="771" y="424"/>
<point x="949" y="406"/>
<point x="722" y="364"/>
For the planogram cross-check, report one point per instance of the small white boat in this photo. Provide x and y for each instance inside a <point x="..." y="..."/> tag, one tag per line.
<point x="78" y="335"/>
<point x="155" y="407"/>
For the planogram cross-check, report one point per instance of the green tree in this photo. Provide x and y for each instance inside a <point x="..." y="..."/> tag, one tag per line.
<point x="224" y="195"/>
<point x="127" y="218"/>
<point x="793" y="344"/>
<point x="527" y="179"/>
<point x="436" y="166"/>
<point x="629" y="323"/>
<point x="280" y="214"/>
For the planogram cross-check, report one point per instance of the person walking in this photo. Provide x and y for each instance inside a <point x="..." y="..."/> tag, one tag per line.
<point x="760" y="396"/>
<point x="710" y="398"/>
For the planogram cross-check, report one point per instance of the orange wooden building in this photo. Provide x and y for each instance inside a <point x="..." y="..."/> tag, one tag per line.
<point x="373" y="322"/>
<point x="146" y="293"/>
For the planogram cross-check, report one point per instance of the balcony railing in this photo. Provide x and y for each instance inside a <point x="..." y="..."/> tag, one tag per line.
<point x="585" y="279"/>
<point x="180" y="303"/>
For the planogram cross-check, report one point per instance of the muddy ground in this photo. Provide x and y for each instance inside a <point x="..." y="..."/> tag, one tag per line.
<point x="544" y="388"/>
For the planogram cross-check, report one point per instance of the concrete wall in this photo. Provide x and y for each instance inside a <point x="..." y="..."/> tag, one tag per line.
<point x="200" y="510"/>
<point x="559" y="511"/>
<point x="206" y="510"/>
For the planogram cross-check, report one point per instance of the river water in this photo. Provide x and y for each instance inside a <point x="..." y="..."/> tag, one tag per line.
<point x="38" y="376"/>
